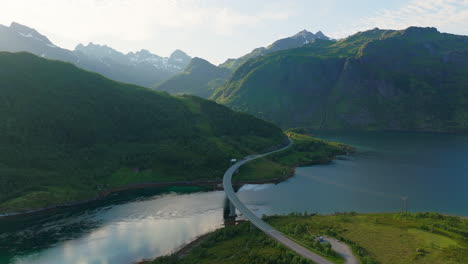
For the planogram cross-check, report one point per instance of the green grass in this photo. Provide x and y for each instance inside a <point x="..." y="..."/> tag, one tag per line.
<point x="305" y="151"/>
<point x="389" y="238"/>
<point x="433" y="240"/>
<point x="237" y="245"/>
<point x="67" y="134"/>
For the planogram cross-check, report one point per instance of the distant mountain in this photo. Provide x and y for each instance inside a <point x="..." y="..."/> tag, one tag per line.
<point x="300" y="39"/>
<point x="413" y="79"/>
<point x="200" y="78"/>
<point x="21" y="38"/>
<point x="68" y="134"/>
<point x="178" y="61"/>
<point x="142" y="67"/>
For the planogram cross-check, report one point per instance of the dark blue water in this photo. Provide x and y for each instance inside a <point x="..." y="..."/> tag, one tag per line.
<point x="430" y="169"/>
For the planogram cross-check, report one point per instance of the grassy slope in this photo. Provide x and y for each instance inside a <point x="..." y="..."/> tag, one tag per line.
<point x="413" y="79"/>
<point x="233" y="64"/>
<point x="305" y="151"/>
<point x="67" y="134"/>
<point x="427" y="238"/>
<point x="236" y="245"/>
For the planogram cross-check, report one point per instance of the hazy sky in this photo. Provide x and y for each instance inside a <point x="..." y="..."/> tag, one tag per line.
<point x="217" y="30"/>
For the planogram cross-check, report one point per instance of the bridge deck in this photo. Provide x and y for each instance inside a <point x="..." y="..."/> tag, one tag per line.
<point x="258" y="222"/>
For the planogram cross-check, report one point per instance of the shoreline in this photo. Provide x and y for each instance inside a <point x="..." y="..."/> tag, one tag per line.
<point x="185" y="249"/>
<point x="215" y="184"/>
<point x="180" y="251"/>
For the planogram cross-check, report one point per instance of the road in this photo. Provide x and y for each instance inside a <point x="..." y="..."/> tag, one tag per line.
<point x="269" y="230"/>
<point x="342" y="249"/>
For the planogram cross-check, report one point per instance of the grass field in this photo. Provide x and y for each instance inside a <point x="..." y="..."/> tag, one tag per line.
<point x="236" y="245"/>
<point x="305" y="151"/>
<point x="388" y="238"/>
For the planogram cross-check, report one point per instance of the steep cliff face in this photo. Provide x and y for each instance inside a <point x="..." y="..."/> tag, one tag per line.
<point x="413" y="79"/>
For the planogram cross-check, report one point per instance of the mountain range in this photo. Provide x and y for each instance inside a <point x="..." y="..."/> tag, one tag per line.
<point x="141" y="68"/>
<point x="202" y="78"/>
<point x="412" y="79"/>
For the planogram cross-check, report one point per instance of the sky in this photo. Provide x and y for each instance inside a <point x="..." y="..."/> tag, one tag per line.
<point x="219" y="29"/>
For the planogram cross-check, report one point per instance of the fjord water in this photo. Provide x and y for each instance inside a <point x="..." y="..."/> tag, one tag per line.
<point x="124" y="228"/>
<point x="430" y="169"/>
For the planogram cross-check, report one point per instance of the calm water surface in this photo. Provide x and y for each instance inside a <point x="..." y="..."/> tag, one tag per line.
<point x="116" y="232"/>
<point x="430" y="169"/>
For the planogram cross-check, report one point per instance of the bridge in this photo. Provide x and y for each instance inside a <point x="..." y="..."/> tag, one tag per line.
<point x="258" y="222"/>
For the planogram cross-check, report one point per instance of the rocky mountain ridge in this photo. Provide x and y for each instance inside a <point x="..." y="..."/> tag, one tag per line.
<point x="141" y="67"/>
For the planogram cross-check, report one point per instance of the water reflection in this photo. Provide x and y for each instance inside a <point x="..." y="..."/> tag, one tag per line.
<point x="120" y="233"/>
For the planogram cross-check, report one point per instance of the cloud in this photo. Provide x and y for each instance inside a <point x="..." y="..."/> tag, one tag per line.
<point x="446" y="15"/>
<point x="226" y="21"/>
<point x="131" y="21"/>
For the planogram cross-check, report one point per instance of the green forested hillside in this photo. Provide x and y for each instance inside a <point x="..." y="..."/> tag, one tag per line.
<point x="413" y="79"/>
<point x="200" y="78"/>
<point x="68" y="134"/>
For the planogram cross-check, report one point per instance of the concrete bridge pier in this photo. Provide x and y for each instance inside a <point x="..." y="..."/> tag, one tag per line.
<point x="232" y="209"/>
<point x="229" y="210"/>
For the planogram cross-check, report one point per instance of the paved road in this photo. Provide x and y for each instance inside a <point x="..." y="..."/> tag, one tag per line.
<point x="269" y="230"/>
<point x="342" y="249"/>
